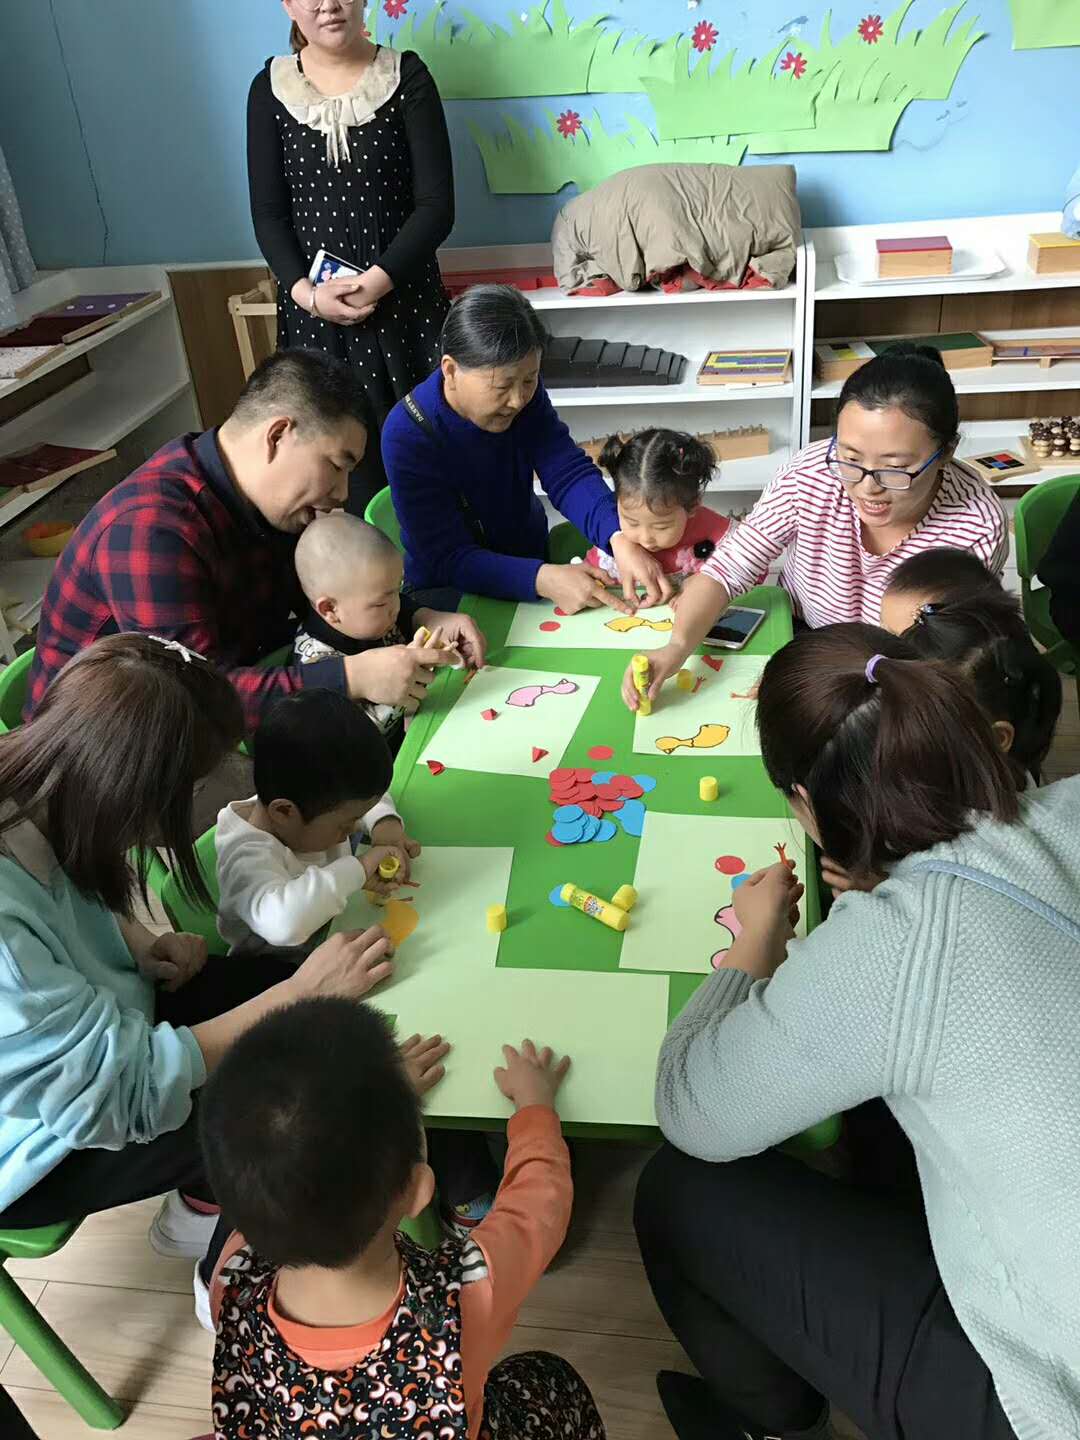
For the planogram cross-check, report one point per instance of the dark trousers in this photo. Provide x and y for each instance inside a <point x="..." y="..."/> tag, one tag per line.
<point x="91" y="1180"/>
<point x="786" y="1287"/>
<point x="12" y="1424"/>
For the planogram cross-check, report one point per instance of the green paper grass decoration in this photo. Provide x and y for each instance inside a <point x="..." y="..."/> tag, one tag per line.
<point x="623" y="60"/>
<point x="925" y="61"/>
<point x="542" y="162"/>
<point x="859" y="114"/>
<point x="1040" y="24"/>
<point x="734" y="102"/>
<point x="536" y="56"/>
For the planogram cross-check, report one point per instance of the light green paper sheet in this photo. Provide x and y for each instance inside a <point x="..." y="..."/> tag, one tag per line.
<point x="522" y="161"/>
<point x="1042" y="24"/>
<point x="590" y="629"/>
<point x="674" y="925"/>
<point x="503" y="746"/>
<point x="923" y="62"/>
<point x="681" y="715"/>
<point x="857" y="114"/>
<point x="446" y="982"/>
<point x="720" y="100"/>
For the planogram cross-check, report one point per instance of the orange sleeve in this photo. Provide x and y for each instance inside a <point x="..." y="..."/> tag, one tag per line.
<point x="519" y="1238"/>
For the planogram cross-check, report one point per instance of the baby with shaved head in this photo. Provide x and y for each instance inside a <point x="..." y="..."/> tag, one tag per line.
<point x="351" y="575"/>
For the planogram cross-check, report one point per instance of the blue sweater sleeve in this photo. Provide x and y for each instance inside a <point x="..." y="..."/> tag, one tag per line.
<point x="570" y="479"/>
<point x="93" y="1074"/>
<point x="433" y="527"/>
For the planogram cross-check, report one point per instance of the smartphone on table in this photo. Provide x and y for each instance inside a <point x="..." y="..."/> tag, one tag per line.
<point x="326" y="266"/>
<point x="734" y="628"/>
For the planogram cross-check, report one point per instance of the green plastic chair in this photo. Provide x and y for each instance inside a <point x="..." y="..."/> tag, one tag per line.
<point x="14" y="683"/>
<point x="184" y="917"/>
<point x="36" y="1338"/>
<point x="566" y="543"/>
<point x="380" y="513"/>
<point x="1038" y="514"/>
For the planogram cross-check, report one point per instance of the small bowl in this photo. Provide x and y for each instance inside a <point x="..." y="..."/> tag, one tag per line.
<point x="48" y="539"/>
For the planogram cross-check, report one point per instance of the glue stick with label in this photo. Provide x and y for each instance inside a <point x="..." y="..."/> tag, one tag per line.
<point x="639" y="668"/>
<point x="601" y="910"/>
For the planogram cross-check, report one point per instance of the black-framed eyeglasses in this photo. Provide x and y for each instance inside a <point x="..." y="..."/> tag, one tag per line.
<point x="851" y="474"/>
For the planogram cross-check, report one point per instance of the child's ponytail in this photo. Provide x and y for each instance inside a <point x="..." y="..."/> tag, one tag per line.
<point x="895" y="753"/>
<point x="659" y="468"/>
<point x="985" y="637"/>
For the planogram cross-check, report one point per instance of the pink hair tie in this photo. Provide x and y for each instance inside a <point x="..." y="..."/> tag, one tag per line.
<point x="871" y="666"/>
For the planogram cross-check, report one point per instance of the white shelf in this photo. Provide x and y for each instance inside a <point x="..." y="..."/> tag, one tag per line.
<point x="67" y="353"/>
<point x="687" y="392"/>
<point x="97" y="412"/>
<point x="1017" y="377"/>
<point x="1007" y="234"/>
<point x="560" y="300"/>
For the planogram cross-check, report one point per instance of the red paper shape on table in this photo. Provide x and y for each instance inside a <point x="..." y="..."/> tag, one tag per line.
<point x="435" y="766"/>
<point x="552" y="841"/>
<point x="560" y="611"/>
<point x="489" y="714"/>
<point x="730" y="865"/>
<point x="601" y="752"/>
<point x="713" y="662"/>
<point x="549" y="625"/>
<point x="538" y="754"/>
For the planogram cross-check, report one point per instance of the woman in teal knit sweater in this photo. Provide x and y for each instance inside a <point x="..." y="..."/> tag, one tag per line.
<point x="940" y="1299"/>
<point x="107" y="1032"/>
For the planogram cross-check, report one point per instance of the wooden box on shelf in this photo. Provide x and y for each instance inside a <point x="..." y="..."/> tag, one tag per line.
<point x="745" y="367"/>
<point x="911" y="256"/>
<point x="254" y="317"/>
<point x="1000" y="467"/>
<point x="740" y="443"/>
<point x="959" y="350"/>
<point x="1051" y="253"/>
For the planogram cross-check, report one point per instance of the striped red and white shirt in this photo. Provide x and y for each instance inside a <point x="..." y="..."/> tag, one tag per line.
<point x="827" y="570"/>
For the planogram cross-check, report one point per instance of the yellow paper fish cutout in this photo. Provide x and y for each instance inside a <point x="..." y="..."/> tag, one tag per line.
<point x="708" y="737"/>
<point x="625" y="623"/>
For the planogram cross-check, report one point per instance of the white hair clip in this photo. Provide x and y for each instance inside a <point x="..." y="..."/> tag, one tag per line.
<point x="188" y="655"/>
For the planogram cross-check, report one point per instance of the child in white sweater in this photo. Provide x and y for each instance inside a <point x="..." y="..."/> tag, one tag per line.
<point x="285" y="861"/>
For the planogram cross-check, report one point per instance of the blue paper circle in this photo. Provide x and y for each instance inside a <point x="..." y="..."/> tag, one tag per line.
<point x="556" y="898"/>
<point x="740" y="880"/>
<point x="566" y="814"/>
<point x="647" y="782"/>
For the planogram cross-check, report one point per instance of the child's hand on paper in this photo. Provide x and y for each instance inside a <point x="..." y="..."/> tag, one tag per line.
<point x="423" y="1061"/>
<point x="390" y="831"/>
<point x="531" y="1077"/>
<point x="374" y="884"/>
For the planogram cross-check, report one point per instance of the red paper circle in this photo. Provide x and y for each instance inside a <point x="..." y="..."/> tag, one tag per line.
<point x="601" y="752"/>
<point x="730" y="865"/>
<point x="560" y="611"/>
<point x="550" y="625"/>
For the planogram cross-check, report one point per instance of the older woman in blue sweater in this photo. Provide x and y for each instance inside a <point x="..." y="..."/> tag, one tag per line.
<point x="461" y="452"/>
<point x="108" y="1032"/>
<point x="936" y="1293"/>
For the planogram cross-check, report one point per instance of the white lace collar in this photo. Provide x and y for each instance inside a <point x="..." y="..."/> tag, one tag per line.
<point x="331" y="115"/>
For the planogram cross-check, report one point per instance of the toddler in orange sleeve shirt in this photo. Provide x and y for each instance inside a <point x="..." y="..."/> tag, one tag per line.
<point x="327" y="1317"/>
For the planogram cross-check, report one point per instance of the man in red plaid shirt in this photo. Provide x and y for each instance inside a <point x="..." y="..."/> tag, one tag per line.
<point x="197" y="545"/>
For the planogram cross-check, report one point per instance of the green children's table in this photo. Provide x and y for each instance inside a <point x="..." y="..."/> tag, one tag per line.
<point x="554" y="974"/>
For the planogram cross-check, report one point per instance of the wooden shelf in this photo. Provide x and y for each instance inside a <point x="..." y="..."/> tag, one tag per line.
<point x="560" y="300"/>
<point x="67" y="353"/>
<point x="687" y="392"/>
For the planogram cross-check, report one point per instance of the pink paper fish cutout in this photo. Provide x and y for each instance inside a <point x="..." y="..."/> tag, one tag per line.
<point x="527" y="695"/>
<point x="730" y="921"/>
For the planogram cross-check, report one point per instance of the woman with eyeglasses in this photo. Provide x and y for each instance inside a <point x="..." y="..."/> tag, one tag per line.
<point x="848" y="510"/>
<point x="348" y="153"/>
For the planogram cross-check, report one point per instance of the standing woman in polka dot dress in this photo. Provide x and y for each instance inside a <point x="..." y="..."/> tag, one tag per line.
<point x="348" y="152"/>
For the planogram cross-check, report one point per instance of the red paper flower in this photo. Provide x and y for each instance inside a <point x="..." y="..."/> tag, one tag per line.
<point x="704" y="37"/>
<point x="871" y="29"/>
<point x="568" y="124"/>
<point x="795" y="63"/>
<point x="395" y="9"/>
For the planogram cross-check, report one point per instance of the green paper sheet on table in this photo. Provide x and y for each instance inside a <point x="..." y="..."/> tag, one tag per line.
<point x="523" y="721"/>
<point x="601" y="629"/>
<point x="1042" y="24"/>
<point x="683" y="917"/>
<point x="721" y="716"/>
<point x="447" y="982"/>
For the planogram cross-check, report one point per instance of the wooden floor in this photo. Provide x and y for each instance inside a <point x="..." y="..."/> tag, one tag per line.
<point x="128" y="1314"/>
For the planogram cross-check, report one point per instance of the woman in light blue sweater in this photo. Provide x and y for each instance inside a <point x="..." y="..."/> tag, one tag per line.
<point x="949" y="1307"/>
<point x="106" y="1031"/>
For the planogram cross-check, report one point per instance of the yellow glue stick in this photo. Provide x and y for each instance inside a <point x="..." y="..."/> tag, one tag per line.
<point x="601" y="910"/>
<point x="625" y="898"/>
<point x="639" y="668"/>
<point x="389" y="867"/>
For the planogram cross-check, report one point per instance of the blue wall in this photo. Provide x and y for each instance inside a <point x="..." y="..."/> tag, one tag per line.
<point x="123" y="123"/>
